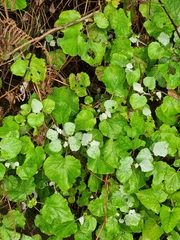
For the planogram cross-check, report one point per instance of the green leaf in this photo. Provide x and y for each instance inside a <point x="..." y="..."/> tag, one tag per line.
<point x="69" y="128"/>
<point x="124" y="172"/>
<point x="33" y="161"/>
<point x="56" y="208"/>
<point x="14" y="219"/>
<point x="169" y="218"/>
<point x="74" y="143"/>
<point x="65" y="229"/>
<point x="9" y="129"/>
<point x="91" y="52"/>
<point x="96" y="207"/>
<point x="114" y="78"/>
<point x="101" y="20"/>
<point x="160" y="149"/>
<point x="82" y="236"/>
<point x="36" y="106"/>
<point x="150" y="82"/>
<point x="145" y="159"/>
<point x="16" y="5"/>
<point x="35" y="119"/>
<point x="155" y="50"/>
<point x="112" y="127"/>
<point x="173" y="9"/>
<point x="79" y="83"/>
<point x="62" y="171"/>
<point x="67" y="16"/>
<point x="109" y="153"/>
<point x="89" y="224"/>
<point x="18" y="189"/>
<point x="132" y="76"/>
<point x="10" y="147"/>
<point x="19" y="67"/>
<point x="67" y="104"/>
<point x="151" y="230"/>
<point x="58" y="58"/>
<point x="160" y="169"/>
<point x="2" y="171"/>
<point x="48" y="105"/>
<point x="55" y="145"/>
<point x="167" y="112"/>
<point x="172" y="180"/>
<point x="93" y="151"/>
<point x="99" y="165"/>
<point x="151" y="199"/>
<point x="85" y="121"/>
<point x="137" y="101"/>
<point x="132" y="218"/>
<point x="36" y="70"/>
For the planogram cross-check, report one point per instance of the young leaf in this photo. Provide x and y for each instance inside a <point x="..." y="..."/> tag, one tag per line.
<point x="36" y="106"/>
<point x="169" y="218"/>
<point x="48" y="105"/>
<point x="145" y="159"/>
<point x="79" y="83"/>
<point x="132" y="218"/>
<point x="101" y="20"/>
<point x="124" y="172"/>
<point x="160" y="149"/>
<point x="62" y="171"/>
<point x="69" y="128"/>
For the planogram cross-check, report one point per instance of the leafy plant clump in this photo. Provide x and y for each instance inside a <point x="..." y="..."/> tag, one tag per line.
<point x="101" y="165"/>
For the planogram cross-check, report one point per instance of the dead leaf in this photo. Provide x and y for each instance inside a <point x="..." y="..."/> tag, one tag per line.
<point x="52" y="8"/>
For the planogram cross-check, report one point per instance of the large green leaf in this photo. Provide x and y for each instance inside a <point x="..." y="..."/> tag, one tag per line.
<point x="114" y="79"/>
<point x="56" y="208"/>
<point x="65" y="229"/>
<point x="18" y="189"/>
<point x="173" y="9"/>
<point x="99" y="165"/>
<point x="151" y="199"/>
<point x="113" y="127"/>
<point x="62" y="171"/>
<point x="151" y="230"/>
<point x="67" y="104"/>
<point x="169" y="218"/>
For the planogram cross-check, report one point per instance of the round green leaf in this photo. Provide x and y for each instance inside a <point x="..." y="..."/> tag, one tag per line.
<point x="36" y="106"/>
<point x="56" y="207"/>
<point x="137" y="101"/>
<point x="55" y="145"/>
<point x="48" y="105"/>
<point x="69" y="128"/>
<point x="85" y="120"/>
<point x="150" y="82"/>
<point x="160" y="149"/>
<point x="10" y="147"/>
<point x="101" y="20"/>
<point x="35" y="119"/>
<point x="62" y="171"/>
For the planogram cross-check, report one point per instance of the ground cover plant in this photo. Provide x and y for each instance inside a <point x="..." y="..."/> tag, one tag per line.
<point x="90" y="105"/>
